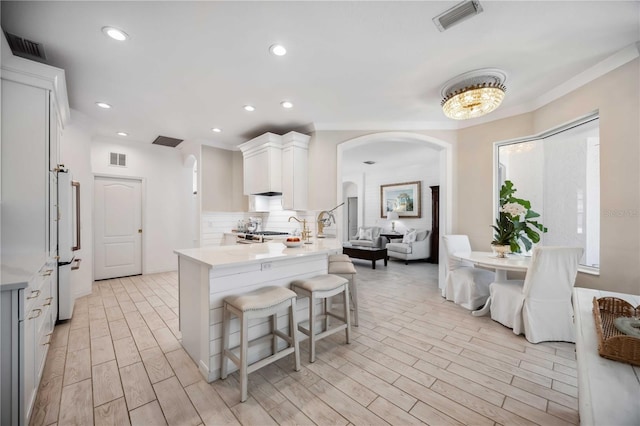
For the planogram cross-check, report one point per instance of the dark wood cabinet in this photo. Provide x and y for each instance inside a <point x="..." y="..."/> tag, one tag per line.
<point x="435" y="223"/>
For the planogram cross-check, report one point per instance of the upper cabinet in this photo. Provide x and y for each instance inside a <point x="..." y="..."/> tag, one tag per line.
<point x="277" y="165"/>
<point x="262" y="167"/>
<point x="295" y="165"/>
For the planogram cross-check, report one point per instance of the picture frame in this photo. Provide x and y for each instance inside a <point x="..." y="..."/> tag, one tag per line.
<point x="403" y="198"/>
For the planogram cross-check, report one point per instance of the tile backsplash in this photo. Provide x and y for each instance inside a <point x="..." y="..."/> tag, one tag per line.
<point x="215" y="224"/>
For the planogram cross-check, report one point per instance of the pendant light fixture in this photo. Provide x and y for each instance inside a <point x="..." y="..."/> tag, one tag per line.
<point x="473" y="94"/>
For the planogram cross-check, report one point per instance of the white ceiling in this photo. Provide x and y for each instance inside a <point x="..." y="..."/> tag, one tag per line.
<point x="191" y="66"/>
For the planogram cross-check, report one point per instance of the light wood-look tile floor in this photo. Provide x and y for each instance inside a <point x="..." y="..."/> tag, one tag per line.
<point x="415" y="358"/>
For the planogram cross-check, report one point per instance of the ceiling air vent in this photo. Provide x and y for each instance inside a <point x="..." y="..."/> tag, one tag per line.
<point x="26" y="48"/>
<point x="167" y="141"/>
<point x="117" y="159"/>
<point x="457" y="14"/>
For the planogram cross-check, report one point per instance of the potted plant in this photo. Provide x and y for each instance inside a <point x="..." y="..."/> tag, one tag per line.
<point x="515" y="223"/>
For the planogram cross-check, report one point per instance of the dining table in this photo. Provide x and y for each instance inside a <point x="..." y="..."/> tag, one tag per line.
<point x="501" y="265"/>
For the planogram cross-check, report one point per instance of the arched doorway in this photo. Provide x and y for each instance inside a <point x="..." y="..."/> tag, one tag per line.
<point x="445" y="170"/>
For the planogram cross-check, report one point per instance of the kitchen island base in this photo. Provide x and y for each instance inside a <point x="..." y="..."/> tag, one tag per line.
<point x="208" y="275"/>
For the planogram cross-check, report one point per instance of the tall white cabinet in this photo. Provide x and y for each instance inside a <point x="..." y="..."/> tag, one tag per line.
<point x="34" y="107"/>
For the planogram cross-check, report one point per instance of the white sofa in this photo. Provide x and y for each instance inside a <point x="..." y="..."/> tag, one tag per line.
<point x="362" y="240"/>
<point x="418" y="249"/>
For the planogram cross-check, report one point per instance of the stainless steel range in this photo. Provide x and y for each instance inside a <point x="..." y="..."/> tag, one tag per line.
<point x="257" y="237"/>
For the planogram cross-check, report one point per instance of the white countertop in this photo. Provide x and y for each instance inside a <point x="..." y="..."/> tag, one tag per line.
<point x="256" y="253"/>
<point x="607" y="390"/>
<point x="16" y="271"/>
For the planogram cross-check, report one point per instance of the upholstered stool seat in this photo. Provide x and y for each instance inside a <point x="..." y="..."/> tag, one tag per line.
<point x="261" y="303"/>
<point x="347" y="270"/>
<point x="323" y="287"/>
<point x="339" y="258"/>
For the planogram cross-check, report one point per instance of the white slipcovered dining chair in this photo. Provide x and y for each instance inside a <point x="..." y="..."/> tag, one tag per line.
<point x="540" y="306"/>
<point x="466" y="285"/>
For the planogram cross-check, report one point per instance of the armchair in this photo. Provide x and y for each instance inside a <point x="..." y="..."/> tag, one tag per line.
<point x="367" y="236"/>
<point x="411" y="250"/>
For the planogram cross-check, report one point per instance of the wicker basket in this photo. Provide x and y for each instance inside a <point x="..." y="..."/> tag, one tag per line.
<point x="612" y="343"/>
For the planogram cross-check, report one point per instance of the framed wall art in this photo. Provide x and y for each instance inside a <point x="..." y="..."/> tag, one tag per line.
<point x="403" y="198"/>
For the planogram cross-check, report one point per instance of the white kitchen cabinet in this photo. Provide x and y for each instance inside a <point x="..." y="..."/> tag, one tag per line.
<point x="276" y="165"/>
<point x="262" y="166"/>
<point x="26" y="326"/>
<point x="34" y="108"/>
<point x="295" y="165"/>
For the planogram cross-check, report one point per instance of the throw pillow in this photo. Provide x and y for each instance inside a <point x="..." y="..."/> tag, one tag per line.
<point x="409" y="236"/>
<point x="366" y="234"/>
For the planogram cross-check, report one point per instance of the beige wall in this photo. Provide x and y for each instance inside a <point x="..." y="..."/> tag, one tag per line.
<point x="616" y="96"/>
<point x="221" y="178"/>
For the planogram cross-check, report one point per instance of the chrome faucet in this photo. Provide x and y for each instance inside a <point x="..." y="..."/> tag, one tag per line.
<point x="305" y="231"/>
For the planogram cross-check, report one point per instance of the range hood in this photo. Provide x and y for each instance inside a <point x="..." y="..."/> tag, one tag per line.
<point x="268" y="194"/>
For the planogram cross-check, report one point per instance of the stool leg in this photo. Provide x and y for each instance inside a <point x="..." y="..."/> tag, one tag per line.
<point x="327" y="308"/>
<point x="244" y="349"/>
<point x="274" y="327"/>
<point x="347" y="312"/>
<point x="353" y="289"/>
<point x="293" y="331"/>
<point x="225" y="341"/>
<point x="312" y="328"/>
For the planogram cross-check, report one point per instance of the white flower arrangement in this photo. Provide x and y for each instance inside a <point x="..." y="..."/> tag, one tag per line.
<point x="513" y="209"/>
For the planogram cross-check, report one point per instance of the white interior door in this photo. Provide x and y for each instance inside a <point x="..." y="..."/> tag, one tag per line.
<point x="118" y="227"/>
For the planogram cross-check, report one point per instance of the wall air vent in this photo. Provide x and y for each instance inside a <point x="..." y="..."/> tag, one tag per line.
<point x="167" y="141"/>
<point x="457" y="14"/>
<point x="117" y="159"/>
<point x="26" y="48"/>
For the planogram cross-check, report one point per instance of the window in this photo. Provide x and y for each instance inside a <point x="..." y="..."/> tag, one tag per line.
<point x="559" y="172"/>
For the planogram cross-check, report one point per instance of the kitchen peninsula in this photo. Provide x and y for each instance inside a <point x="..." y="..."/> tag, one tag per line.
<point x="209" y="274"/>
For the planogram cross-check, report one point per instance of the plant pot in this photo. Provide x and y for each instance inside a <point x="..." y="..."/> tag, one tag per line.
<point x="500" y="250"/>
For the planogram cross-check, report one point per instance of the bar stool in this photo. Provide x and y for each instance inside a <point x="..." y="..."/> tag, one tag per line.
<point x="339" y="258"/>
<point x="323" y="287"/>
<point x="261" y="303"/>
<point x="347" y="270"/>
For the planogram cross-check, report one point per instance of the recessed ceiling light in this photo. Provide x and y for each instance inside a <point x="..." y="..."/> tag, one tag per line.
<point x="216" y="130"/>
<point x="122" y="134"/>
<point x="286" y="104"/>
<point x="278" y="50"/>
<point x="115" y="33"/>
<point x="103" y="105"/>
<point x="249" y="108"/>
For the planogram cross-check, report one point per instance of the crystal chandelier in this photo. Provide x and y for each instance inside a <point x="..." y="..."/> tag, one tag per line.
<point x="473" y="94"/>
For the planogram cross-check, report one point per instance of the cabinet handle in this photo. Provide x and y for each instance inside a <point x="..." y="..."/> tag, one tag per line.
<point x="48" y="299"/>
<point x="47" y="272"/>
<point x="77" y="262"/>
<point x="48" y="342"/>
<point x="35" y="316"/>
<point x="34" y="294"/>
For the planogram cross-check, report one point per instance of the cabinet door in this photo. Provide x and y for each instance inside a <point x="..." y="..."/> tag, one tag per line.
<point x="294" y="178"/>
<point x="54" y="135"/>
<point x="288" y="200"/>
<point x="255" y="174"/>
<point x="27" y="368"/>
<point x="25" y="165"/>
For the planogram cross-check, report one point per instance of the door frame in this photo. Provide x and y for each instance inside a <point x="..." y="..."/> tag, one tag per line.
<point x="143" y="214"/>
<point x="446" y="177"/>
